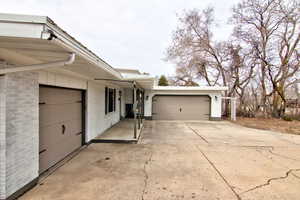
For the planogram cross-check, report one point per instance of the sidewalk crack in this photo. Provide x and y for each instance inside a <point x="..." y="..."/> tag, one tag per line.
<point x="270" y="180"/>
<point x="146" y="175"/>
<point x="220" y="174"/>
<point x="296" y="176"/>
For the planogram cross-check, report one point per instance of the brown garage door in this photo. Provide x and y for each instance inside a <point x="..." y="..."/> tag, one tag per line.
<point x="60" y="124"/>
<point x="181" y="107"/>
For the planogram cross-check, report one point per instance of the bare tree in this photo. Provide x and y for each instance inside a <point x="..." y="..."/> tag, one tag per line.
<point x="258" y="63"/>
<point x="271" y="29"/>
<point x="201" y="58"/>
<point x="194" y="51"/>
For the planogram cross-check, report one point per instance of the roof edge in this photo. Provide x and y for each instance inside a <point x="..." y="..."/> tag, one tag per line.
<point x="53" y="28"/>
<point x="21" y="18"/>
<point x="191" y="88"/>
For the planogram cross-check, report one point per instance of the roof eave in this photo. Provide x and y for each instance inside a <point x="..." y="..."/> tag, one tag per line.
<point x="48" y="28"/>
<point x="76" y="45"/>
<point x="186" y="88"/>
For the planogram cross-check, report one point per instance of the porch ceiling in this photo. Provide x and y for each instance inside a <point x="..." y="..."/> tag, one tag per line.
<point x="128" y="83"/>
<point x="27" y="51"/>
<point x="146" y="84"/>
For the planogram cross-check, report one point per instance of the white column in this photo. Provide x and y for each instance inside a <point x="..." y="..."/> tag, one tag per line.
<point x="134" y="110"/>
<point x="233" y="109"/>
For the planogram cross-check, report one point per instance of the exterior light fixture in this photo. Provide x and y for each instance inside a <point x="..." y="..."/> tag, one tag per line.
<point x="216" y="98"/>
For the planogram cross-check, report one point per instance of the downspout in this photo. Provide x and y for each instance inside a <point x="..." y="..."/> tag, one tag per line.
<point x="23" y="68"/>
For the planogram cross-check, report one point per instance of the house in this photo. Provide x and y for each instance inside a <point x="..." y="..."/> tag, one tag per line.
<point x="56" y="95"/>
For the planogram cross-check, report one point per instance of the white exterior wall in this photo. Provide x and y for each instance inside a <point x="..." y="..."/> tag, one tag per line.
<point x="96" y="120"/>
<point x="216" y="103"/>
<point x="61" y="80"/>
<point x="19" y="153"/>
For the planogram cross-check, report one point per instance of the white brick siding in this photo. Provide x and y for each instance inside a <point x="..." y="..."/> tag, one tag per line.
<point x="19" y="135"/>
<point x="2" y="137"/>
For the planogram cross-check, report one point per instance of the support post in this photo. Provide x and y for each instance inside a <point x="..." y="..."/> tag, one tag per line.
<point x="142" y="106"/>
<point x="233" y="109"/>
<point x="134" y="110"/>
<point x="139" y="110"/>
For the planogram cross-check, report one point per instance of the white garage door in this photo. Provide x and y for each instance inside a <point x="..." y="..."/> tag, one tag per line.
<point x="60" y="124"/>
<point x="181" y="108"/>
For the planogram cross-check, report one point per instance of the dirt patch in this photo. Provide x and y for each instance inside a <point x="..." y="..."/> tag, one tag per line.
<point x="279" y="125"/>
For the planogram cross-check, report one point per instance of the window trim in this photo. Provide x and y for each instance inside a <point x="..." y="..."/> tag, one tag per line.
<point x="110" y="100"/>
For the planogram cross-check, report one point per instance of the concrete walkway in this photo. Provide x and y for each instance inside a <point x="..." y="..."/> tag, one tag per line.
<point x="182" y="160"/>
<point x="123" y="131"/>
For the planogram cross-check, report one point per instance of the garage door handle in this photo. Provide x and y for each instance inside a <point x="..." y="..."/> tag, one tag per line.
<point x="79" y="133"/>
<point x="42" y="151"/>
<point x="63" y="128"/>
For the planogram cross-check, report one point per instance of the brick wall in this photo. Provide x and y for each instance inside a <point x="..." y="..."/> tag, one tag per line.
<point x="2" y="136"/>
<point x="20" y="137"/>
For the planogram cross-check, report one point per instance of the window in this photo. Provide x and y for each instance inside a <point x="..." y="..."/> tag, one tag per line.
<point x="110" y="100"/>
<point x="106" y="100"/>
<point x="114" y="99"/>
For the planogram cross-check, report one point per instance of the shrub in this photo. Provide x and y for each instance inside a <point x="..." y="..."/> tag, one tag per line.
<point x="287" y="118"/>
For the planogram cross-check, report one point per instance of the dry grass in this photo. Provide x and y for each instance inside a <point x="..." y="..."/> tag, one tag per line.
<point x="279" y="125"/>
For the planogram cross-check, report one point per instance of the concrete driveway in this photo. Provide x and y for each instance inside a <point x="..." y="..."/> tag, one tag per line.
<point x="182" y="160"/>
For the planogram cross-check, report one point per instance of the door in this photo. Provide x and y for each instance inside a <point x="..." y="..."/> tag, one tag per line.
<point x="60" y="124"/>
<point x="180" y="107"/>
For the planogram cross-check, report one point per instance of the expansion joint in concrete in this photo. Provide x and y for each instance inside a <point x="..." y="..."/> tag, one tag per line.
<point x="282" y="156"/>
<point x="194" y="131"/>
<point x="272" y="179"/>
<point x="220" y="174"/>
<point x="256" y="146"/>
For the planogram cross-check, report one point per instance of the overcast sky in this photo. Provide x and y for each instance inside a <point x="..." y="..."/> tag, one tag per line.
<point x="126" y="34"/>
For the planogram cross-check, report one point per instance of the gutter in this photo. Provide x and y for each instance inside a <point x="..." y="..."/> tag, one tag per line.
<point x="61" y="38"/>
<point x="23" y="68"/>
<point x="49" y="30"/>
<point x="189" y="88"/>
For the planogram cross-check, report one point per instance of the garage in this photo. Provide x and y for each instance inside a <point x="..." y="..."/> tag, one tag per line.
<point x="60" y="124"/>
<point x="172" y="107"/>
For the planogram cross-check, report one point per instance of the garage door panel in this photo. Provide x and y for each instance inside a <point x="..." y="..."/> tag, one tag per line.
<point x="53" y="114"/>
<point x="181" y="107"/>
<point x="53" y="154"/>
<point x="73" y="133"/>
<point x="53" y="134"/>
<point x="59" y="95"/>
<point x="60" y="124"/>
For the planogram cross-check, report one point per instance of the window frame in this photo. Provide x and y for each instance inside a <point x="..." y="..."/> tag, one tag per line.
<point x="110" y="100"/>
